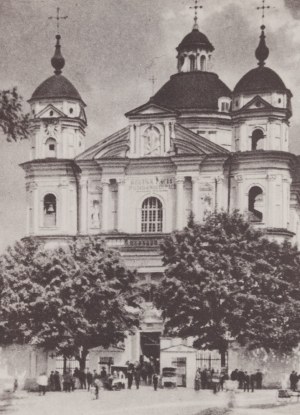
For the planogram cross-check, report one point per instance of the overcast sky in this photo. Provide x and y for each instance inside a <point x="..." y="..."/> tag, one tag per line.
<point x="113" y="47"/>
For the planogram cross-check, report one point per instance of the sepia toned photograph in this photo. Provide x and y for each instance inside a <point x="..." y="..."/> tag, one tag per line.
<point x="150" y="207"/>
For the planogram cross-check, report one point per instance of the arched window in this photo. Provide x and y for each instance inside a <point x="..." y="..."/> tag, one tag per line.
<point x="203" y="63"/>
<point x="152" y="215"/>
<point x="257" y="135"/>
<point x="193" y="63"/>
<point x="51" y="146"/>
<point x="49" y="210"/>
<point x="255" y="204"/>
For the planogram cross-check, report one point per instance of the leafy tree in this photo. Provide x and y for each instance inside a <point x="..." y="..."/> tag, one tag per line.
<point x="225" y="279"/>
<point x="13" y="122"/>
<point x="68" y="300"/>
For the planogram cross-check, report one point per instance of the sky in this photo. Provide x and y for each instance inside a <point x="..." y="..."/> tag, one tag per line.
<point x="113" y="47"/>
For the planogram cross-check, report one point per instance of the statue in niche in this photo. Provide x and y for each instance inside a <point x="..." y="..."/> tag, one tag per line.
<point x="95" y="214"/>
<point x="152" y="142"/>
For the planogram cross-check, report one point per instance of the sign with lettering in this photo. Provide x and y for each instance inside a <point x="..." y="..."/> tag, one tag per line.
<point x="148" y="183"/>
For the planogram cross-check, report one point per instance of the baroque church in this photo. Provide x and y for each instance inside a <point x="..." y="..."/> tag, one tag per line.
<point x="195" y="146"/>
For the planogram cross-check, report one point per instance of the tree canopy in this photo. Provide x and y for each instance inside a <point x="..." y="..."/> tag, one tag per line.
<point x="224" y="279"/>
<point x="67" y="300"/>
<point x="13" y="122"/>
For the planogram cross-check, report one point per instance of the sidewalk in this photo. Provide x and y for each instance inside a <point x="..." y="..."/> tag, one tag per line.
<point x="147" y="402"/>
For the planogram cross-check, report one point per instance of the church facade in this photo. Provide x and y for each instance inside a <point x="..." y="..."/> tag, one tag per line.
<point x="195" y="146"/>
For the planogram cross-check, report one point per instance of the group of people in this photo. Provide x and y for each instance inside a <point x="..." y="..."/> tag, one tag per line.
<point x="215" y="379"/>
<point x="294" y="378"/>
<point x="210" y="379"/>
<point x="247" y="381"/>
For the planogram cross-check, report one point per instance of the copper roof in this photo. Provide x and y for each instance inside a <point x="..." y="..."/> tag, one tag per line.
<point x="192" y="90"/>
<point x="57" y="86"/>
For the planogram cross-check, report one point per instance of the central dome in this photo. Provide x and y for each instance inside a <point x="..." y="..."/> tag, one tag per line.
<point x="192" y="90"/>
<point x="57" y="86"/>
<point x="260" y="79"/>
<point x="195" y="39"/>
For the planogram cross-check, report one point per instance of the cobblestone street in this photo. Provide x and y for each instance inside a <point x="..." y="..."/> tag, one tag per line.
<point x="147" y="402"/>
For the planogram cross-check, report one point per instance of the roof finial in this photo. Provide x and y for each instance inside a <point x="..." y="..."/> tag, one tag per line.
<point x="196" y="7"/>
<point x="58" y="61"/>
<point x="262" y="51"/>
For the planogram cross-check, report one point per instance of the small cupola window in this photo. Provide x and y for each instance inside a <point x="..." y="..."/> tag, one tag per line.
<point x="51" y="147"/>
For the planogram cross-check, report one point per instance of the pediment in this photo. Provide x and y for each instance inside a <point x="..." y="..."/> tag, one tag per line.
<point x="257" y="103"/>
<point x="50" y="112"/>
<point x="151" y="109"/>
<point x="180" y="348"/>
<point x="82" y="115"/>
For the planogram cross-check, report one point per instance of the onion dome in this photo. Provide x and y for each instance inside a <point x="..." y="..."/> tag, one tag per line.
<point x="57" y="86"/>
<point x="195" y="39"/>
<point x="192" y="90"/>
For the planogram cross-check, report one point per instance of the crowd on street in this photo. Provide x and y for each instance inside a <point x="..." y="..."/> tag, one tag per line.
<point x="214" y="379"/>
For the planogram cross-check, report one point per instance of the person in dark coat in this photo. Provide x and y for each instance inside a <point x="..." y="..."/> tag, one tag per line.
<point x="234" y="375"/>
<point x="259" y="379"/>
<point x="52" y="382"/>
<point x="57" y="381"/>
<point x="103" y="374"/>
<point x="137" y="377"/>
<point x="253" y="381"/>
<point x="204" y="379"/>
<point x="241" y="378"/>
<point x="155" y="381"/>
<point x="130" y="375"/>
<point x="246" y="382"/>
<point x="89" y="380"/>
<point x="293" y="380"/>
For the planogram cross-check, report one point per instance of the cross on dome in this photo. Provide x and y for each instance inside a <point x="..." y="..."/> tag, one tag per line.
<point x="263" y="8"/>
<point x="58" y="18"/>
<point x="196" y="7"/>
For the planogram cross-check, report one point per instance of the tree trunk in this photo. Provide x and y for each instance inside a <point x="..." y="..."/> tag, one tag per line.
<point x="82" y="359"/>
<point x="65" y="365"/>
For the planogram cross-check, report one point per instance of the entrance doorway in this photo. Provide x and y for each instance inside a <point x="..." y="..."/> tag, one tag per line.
<point x="180" y="364"/>
<point x="150" y="348"/>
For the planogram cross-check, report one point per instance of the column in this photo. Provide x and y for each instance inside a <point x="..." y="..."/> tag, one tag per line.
<point x="64" y="217"/>
<point x="38" y="209"/>
<point x="167" y="136"/>
<point x="105" y="204"/>
<point x="195" y="198"/>
<point x="179" y="202"/>
<point x="240" y="194"/>
<point x="132" y="140"/>
<point x="138" y="140"/>
<point x="121" y="207"/>
<point x="270" y="215"/>
<point x="220" y="193"/>
<point x="83" y="205"/>
<point x="286" y="183"/>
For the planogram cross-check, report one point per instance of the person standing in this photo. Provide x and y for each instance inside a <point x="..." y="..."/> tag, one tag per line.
<point x="129" y="376"/>
<point x="89" y="380"/>
<point x="57" y="381"/>
<point x="155" y="381"/>
<point x="293" y="380"/>
<point x="42" y="381"/>
<point x="204" y="379"/>
<point x="137" y="377"/>
<point x="246" y="382"/>
<point x="253" y="381"/>
<point x="259" y="379"/>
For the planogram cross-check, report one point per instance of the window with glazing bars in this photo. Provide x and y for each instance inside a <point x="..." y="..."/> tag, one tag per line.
<point x="152" y="215"/>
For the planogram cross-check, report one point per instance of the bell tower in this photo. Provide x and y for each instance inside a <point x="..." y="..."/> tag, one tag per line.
<point x="58" y="115"/>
